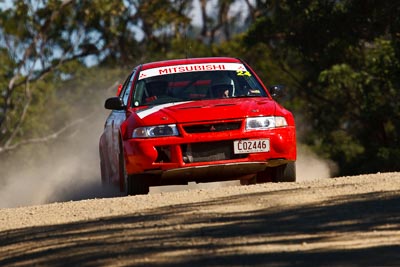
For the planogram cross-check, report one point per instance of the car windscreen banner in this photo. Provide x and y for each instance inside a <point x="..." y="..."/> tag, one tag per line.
<point x="191" y="68"/>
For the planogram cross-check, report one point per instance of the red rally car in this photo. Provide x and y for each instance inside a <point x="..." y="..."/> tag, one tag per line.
<point x="198" y="119"/>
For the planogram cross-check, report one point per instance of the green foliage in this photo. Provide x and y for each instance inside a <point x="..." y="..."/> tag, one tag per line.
<point x="344" y="57"/>
<point x="367" y="99"/>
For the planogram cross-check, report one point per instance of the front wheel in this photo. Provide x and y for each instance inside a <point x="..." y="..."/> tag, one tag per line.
<point x="286" y="173"/>
<point x="139" y="184"/>
<point x="282" y="173"/>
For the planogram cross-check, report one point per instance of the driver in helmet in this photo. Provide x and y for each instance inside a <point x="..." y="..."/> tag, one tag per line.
<point x="221" y="87"/>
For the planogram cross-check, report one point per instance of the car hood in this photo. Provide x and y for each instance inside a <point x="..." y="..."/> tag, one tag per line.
<point x="206" y="110"/>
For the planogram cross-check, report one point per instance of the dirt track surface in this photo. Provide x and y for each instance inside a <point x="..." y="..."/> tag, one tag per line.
<point x="349" y="221"/>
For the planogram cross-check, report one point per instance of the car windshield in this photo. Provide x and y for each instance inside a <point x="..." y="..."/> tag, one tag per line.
<point x="195" y="82"/>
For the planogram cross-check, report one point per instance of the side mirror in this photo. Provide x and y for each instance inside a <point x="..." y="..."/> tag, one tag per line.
<point x="277" y="91"/>
<point x="114" y="103"/>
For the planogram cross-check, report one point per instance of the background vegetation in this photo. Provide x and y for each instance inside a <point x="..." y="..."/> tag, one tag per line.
<point x="339" y="59"/>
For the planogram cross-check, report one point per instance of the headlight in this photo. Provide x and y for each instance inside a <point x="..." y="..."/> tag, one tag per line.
<point x="263" y="123"/>
<point x="155" y="131"/>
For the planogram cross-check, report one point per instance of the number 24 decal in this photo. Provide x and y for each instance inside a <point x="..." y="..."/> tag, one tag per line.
<point x="243" y="73"/>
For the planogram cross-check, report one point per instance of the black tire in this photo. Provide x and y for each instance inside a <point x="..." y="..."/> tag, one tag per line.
<point x="282" y="173"/>
<point x="138" y="184"/>
<point x="285" y="173"/>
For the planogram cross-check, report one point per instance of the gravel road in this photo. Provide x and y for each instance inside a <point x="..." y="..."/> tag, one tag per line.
<point x="347" y="221"/>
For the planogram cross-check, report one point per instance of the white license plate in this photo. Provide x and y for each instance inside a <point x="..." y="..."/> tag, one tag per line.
<point x="250" y="146"/>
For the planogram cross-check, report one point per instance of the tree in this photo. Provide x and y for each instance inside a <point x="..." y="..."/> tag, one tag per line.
<point x="365" y="137"/>
<point x="51" y="35"/>
<point x="342" y="57"/>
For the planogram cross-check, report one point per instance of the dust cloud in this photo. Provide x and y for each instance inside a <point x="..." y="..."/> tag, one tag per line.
<point x="71" y="171"/>
<point x="311" y="167"/>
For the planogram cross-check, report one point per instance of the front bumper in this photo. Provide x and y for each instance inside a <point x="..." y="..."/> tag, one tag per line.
<point x="208" y="154"/>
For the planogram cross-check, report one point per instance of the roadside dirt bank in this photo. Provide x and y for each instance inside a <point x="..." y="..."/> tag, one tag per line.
<point x="347" y="221"/>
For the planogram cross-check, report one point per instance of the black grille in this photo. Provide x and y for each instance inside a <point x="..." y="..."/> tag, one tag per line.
<point x="213" y="127"/>
<point x="212" y="151"/>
